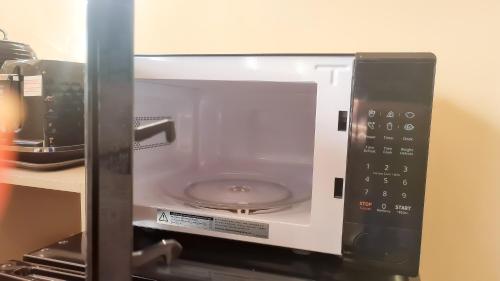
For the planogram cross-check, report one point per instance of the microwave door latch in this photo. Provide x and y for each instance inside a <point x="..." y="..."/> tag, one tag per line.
<point x="144" y="132"/>
<point x="167" y="250"/>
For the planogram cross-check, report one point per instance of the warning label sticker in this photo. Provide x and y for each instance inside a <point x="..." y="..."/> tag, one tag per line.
<point x="33" y="86"/>
<point x="226" y="225"/>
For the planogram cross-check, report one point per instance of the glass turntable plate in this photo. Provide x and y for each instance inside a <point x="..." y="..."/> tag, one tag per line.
<point x="238" y="192"/>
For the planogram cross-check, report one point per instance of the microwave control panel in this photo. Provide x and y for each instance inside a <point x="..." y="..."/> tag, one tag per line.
<point x="387" y="160"/>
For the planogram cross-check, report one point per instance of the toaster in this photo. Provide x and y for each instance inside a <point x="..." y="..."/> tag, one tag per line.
<point x="50" y="133"/>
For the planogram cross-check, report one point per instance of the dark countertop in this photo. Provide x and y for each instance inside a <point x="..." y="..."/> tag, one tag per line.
<point x="202" y="258"/>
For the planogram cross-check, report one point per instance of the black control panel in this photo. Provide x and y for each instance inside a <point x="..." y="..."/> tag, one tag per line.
<point x="387" y="160"/>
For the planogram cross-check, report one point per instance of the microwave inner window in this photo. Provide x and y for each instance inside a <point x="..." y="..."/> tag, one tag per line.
<point x="241" y="147"/>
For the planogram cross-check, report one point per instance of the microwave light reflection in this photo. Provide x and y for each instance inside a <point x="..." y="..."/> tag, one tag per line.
<point x="251" y="63"/>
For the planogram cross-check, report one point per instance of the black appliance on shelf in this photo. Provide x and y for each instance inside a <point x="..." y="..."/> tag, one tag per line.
<point x="50" y="133"/>
<point x="10" y="50"/>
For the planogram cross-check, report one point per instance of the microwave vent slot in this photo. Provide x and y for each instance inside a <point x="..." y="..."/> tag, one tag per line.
<point x="342" y="123"/>
<point x="338" y="190"/>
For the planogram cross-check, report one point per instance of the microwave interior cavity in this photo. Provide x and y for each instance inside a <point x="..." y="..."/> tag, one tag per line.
<point x="241" y="147"/>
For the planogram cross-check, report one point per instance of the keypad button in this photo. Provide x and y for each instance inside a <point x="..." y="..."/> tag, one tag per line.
<point x="402" y="209"/>
<point x="365" y="205"/>
<point x="387" y="150"/>
<point x="365" y="192"/>
<point x="406" y="151"/>
<point x="409" y="114"/>
<point x="408" y="127"/>
<point x="407" y="139"/>
<point x="369" y="149"/>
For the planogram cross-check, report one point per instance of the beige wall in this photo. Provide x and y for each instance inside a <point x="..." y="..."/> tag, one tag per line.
<point x="462" y="223"/>
<point x="54" y="28"/>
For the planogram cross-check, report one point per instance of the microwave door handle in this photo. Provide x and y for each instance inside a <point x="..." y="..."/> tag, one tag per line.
<point x="147" y="131"/>
<point x="168" y="250"/>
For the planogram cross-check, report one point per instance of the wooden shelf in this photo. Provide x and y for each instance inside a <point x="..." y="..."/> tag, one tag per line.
<point x="72" y="180"/>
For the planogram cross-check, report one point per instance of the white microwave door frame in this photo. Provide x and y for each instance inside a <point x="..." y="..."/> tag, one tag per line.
<point x="333" y="76"/>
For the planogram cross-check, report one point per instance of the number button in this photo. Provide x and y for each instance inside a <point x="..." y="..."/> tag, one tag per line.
<point x="403" y="195"/>
<point x="367" y="179"/>
<point x="365" y="191"/>
<point x="405" y="169"/>
<point x="384" y="193"/>
<point x="367" y="166"/>
<point x="405" y="182"/>
<point x="386" y="180"/>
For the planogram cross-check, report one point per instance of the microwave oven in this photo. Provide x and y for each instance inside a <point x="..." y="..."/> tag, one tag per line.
<point x="316" y="153"/>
